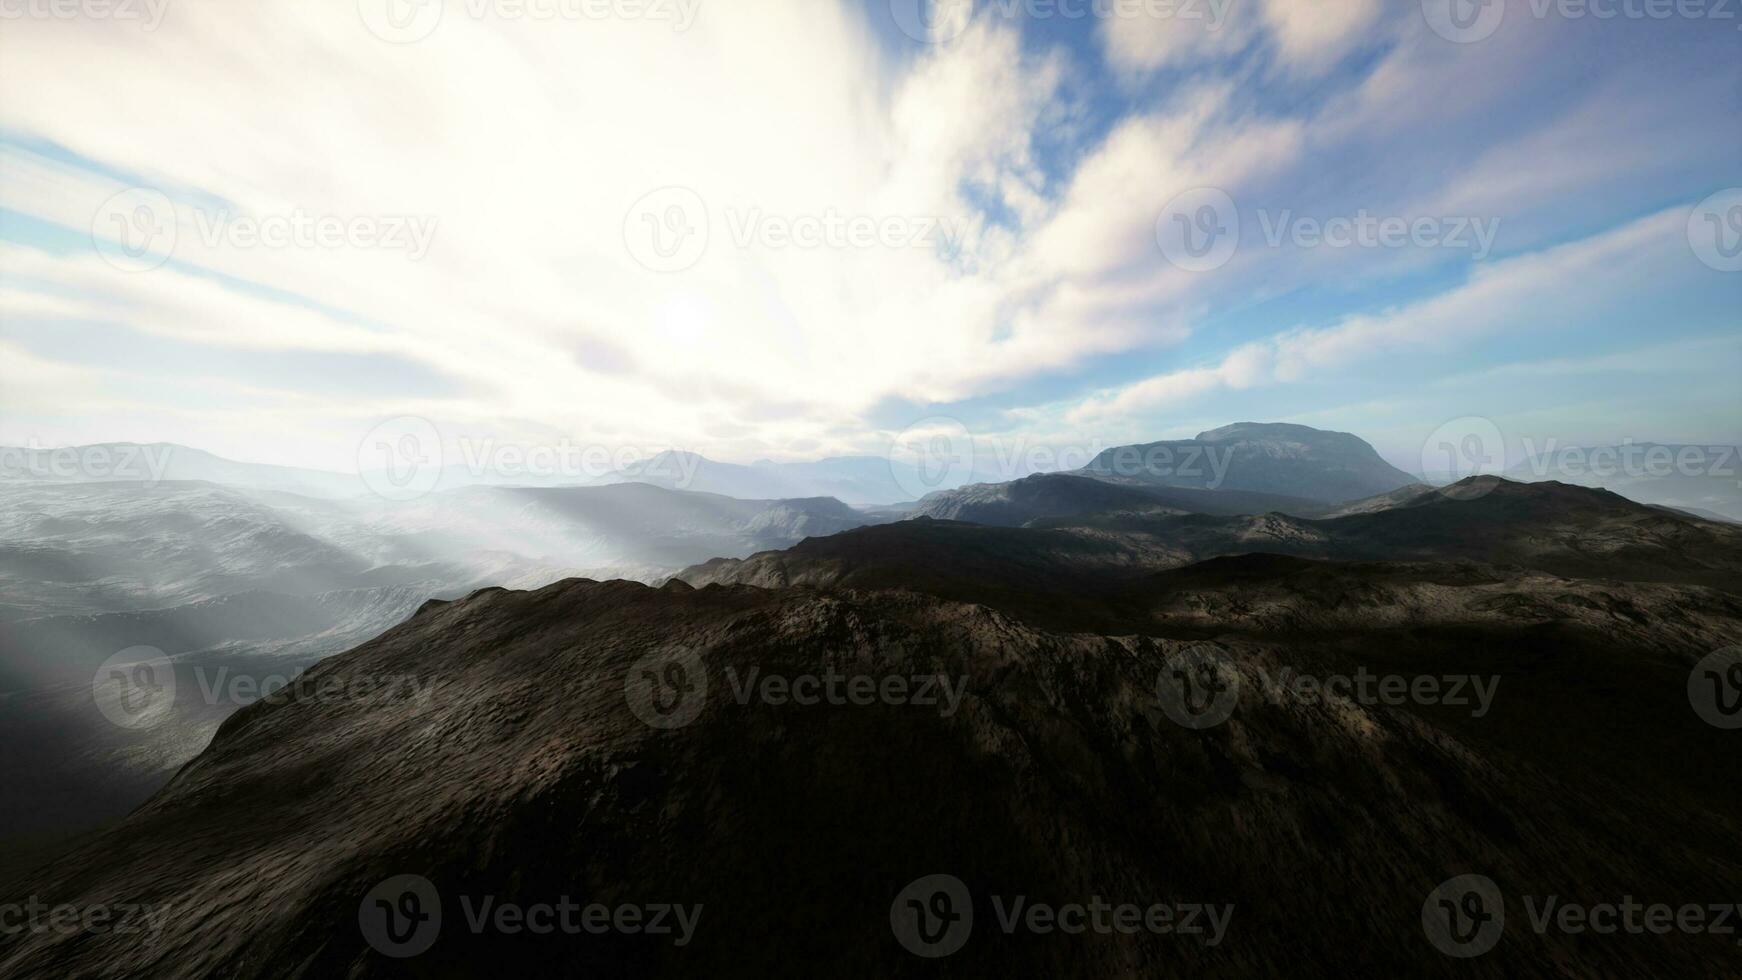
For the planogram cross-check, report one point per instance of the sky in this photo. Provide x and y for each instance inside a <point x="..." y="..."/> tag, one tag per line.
<point x="790" y="229"/>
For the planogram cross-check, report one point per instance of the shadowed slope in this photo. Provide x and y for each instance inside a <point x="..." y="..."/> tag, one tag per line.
<point x="518" y="770"/>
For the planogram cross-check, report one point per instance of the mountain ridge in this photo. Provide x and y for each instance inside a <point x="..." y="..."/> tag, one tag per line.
<point x="1554" y="528"/>
<point x="545" y="783"/>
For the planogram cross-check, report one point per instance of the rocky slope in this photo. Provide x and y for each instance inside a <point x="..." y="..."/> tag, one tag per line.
<point x="521" y="770"/>
<point x="237" y="586"/>
<point x="72" y="763"/>
<point x="862" y="750"/>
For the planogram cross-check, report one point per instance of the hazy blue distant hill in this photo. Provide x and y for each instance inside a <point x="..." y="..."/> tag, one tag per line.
<point x="1705" y="480"/>
<point x="859" y="481"/>
<point x="120" y="462"/>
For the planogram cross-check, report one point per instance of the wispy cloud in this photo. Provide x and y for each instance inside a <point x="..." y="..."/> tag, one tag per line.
<point x="982" y="212"/>
<point x="1553" y="288"/>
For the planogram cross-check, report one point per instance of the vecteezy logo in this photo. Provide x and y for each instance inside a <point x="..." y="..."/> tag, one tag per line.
<point x="1464" y="916"/>
<point x="667" y="688"/>
<point x="1464" y="21"/>
<point x="1715" y="230"/>
<point x="401" y="917"/>
<point x="932" y="21"/>
<point x="135" y="230"/>
<point x="1715" y="688"/>
<point x="667" y="229"/>
<point x="1199" y="687"/>
<point x="1462" y="448"/>
<point x="400" y="21"/>
<point x="935" y="453"/>
<point x="1199" y="230"/>
<point x="135" y="688"/>
<point x="933" y="916"/>
<point x="401" y="459"/>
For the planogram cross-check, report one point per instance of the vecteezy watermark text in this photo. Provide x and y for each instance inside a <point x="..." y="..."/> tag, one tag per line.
<point x="148" y="13"/>
<point x="298" y="228"/>
<point x="939" y="21"/>
<point x="939" y="453"/>
<point x="139" y="229"/>
<point x="832" y="229"/>
<point x="1365" y="230"/>
<point x="402" y="917"/>
<point x="404" y="458"/>
<point x="1167" y="461"/>
<point x="668" y="230"/>
<point x="1200" y="687"/>
<point x="1200" y="230"/>
<point x="1715" y="688"/>
<point x="1630" y="459"/>
<point x="1469" y="21"/>
<point x="837" y="689"/>
<point x="409" y="21"/>
<point x="933" y="916"/>
<point x="146" y="464"/>
<point x="1465" y="916"/>
<point x="668" y="688"/>
<point x="1364" y="687"/>
<point x="36" y="917"/>
<point x="138" y="688"/>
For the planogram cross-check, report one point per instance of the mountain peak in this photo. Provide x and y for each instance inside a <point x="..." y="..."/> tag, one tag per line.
<point x="1279" y="458"/>
<point x="1272" y="430"/>
<point x="665" y="455"/>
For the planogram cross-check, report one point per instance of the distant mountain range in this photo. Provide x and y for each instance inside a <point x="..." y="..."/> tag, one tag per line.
<point x="1295" y="465"/>
<point x="1551" y="528"/>
<point x="858" y="481"/>
<point x="1115" y="716"/>
<point x="265" y="570"/>
<point x="133" y="462"/>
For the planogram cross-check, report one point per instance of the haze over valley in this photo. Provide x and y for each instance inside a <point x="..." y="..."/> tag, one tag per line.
<point x="870" y="488"/>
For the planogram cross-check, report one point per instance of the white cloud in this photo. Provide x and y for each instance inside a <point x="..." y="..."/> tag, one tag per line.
<point x="1308" y="35"/>
<point x="526" y="143"/>
<point x="1312" y="34"/>
<point x="1144" y="43"/>
<point x="1543" y="290"/>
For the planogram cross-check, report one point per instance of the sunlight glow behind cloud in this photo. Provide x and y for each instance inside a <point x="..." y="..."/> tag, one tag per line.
<point x="524" y="145"/>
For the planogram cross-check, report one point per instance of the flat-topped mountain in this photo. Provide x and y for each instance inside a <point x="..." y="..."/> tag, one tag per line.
<point x="1259" y="457"/>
